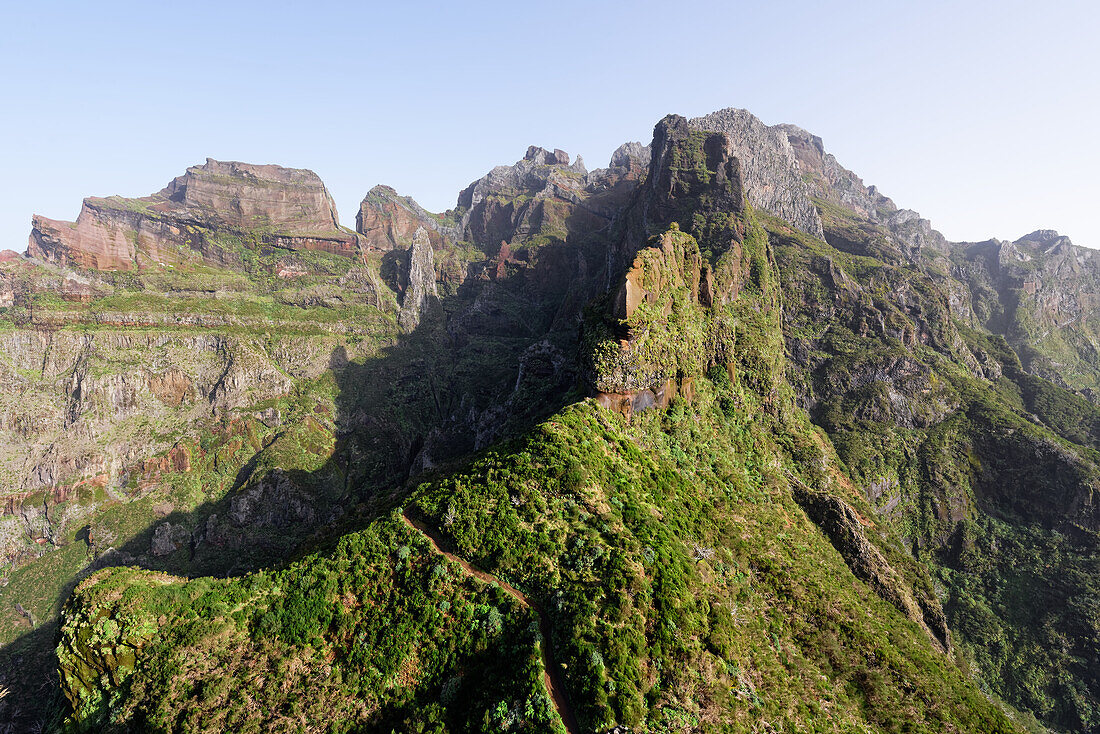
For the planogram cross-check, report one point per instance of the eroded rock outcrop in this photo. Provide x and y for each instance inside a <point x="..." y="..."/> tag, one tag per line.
<point x="788" y="173"/>
<point x="534" y="196"/>
<point x="833" y="183"/>
<point x="540" y="199"/>
<point x="660" y="332"/>
<point x="842" y="526"/>
<point x="770" y="170"/>
<point x="421" y="281"/>
<point x="208" y="214"/>
<point x="72" y="403"/>
<point x="1042" y="293"/>
<point x="693" y="180"/>
<point x="388" y="221"/>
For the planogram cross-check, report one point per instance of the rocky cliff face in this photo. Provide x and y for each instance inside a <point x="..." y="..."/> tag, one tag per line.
<point x="82" y="413"/>
<point x="1041" y="293"/>
<point x="248" y="196"/>
<point x="772" y="175"/>
<point x="831" y="182"/>
<point x="511" y="203"/>
<point x="388" y="221"/>
<point x="421" y="281"/>
<point x="209" y="214"/>
<point x="540" y="199"/>
<point x="786" y="168"/>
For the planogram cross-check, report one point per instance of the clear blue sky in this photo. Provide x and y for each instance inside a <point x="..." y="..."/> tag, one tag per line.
<point x="980" y="115"/>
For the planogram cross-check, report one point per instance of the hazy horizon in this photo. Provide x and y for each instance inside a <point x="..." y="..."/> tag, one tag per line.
<point x="971" y="115"/>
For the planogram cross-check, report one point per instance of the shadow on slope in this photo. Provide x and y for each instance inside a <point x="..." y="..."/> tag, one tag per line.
<point x="486" y="360"/>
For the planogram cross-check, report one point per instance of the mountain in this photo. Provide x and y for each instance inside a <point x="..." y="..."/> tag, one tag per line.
<point x="203" y="215"/>
<point x="716" y="438"/>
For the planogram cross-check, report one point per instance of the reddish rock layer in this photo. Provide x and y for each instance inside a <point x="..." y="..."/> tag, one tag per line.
<point x="204" y="215"/>
<point x="388" y="221"/>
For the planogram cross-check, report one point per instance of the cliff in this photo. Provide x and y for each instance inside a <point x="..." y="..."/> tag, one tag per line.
<point x="388" y="221"/>
<point x="210" y="214"/>
<point x="772" y="175"/>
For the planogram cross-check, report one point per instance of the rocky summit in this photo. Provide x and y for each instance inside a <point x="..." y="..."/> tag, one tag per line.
<point x="201" y="215"/>
<point x="717" y="438"/>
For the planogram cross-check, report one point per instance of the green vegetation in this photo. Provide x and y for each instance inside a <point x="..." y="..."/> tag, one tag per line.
<point x="972" y="459"/>
<point x="378" y="630"/>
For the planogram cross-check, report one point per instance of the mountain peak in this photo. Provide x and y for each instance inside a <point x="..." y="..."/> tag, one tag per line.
<point x="770" y="168"/>
<point x="541" y="155"/>
<point x="289" y="206"/>
<point x="1042" y="237"/>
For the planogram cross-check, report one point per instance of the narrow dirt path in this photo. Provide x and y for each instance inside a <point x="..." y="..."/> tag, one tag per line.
<point x="552" y="679"/>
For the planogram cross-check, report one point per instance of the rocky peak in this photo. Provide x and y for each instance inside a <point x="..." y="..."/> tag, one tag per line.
<point x="191" y="217"/>
<point x="245" y="195"/>
<point x="785" y="168"/>
<point x="631" y="156"/>
<point x="541" y="155"/>
<point x="530" y="197"/>
<point x="695" y="181"/>
<point x="531" y="175"/>
<point x="1044" y="238"/>
<point x="388" y="221"/>
<point x="829" y="180"/>
<point x="629" y="165"/>
<point x="770" y="169"/>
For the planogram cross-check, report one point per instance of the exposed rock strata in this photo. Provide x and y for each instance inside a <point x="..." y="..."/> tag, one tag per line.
<point x="388" y="221"/>
<point x="203" y="215"/>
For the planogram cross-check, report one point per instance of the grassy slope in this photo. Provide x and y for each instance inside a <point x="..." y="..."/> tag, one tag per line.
<point x="688" y="592"/>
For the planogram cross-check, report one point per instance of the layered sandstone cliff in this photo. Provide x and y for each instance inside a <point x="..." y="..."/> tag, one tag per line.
<point x="209" y="214"/>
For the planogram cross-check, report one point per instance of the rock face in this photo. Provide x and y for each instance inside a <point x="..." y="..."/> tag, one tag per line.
<point x="836" y="184"/>
<point x="637" y="371"/>
<point x="245" y="196"/>
<point x="534" y="196"/>
<point x="388" y="221"/>
<point x="842" y="526"/>
<point x="694" y="179"/>
<point x="234" y="426"/>
<point x="785" y="168"/>
<point x="208" y="215"/>
<point x="1042" y="293"/>
<point x="421" y="281"/>
<point x="539" y="199"/>
<point x="53" y="422"/>
<point x="770" y="169"/>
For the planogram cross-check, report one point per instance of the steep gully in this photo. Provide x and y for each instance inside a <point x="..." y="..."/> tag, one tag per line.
<point x="552" y="674"/>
